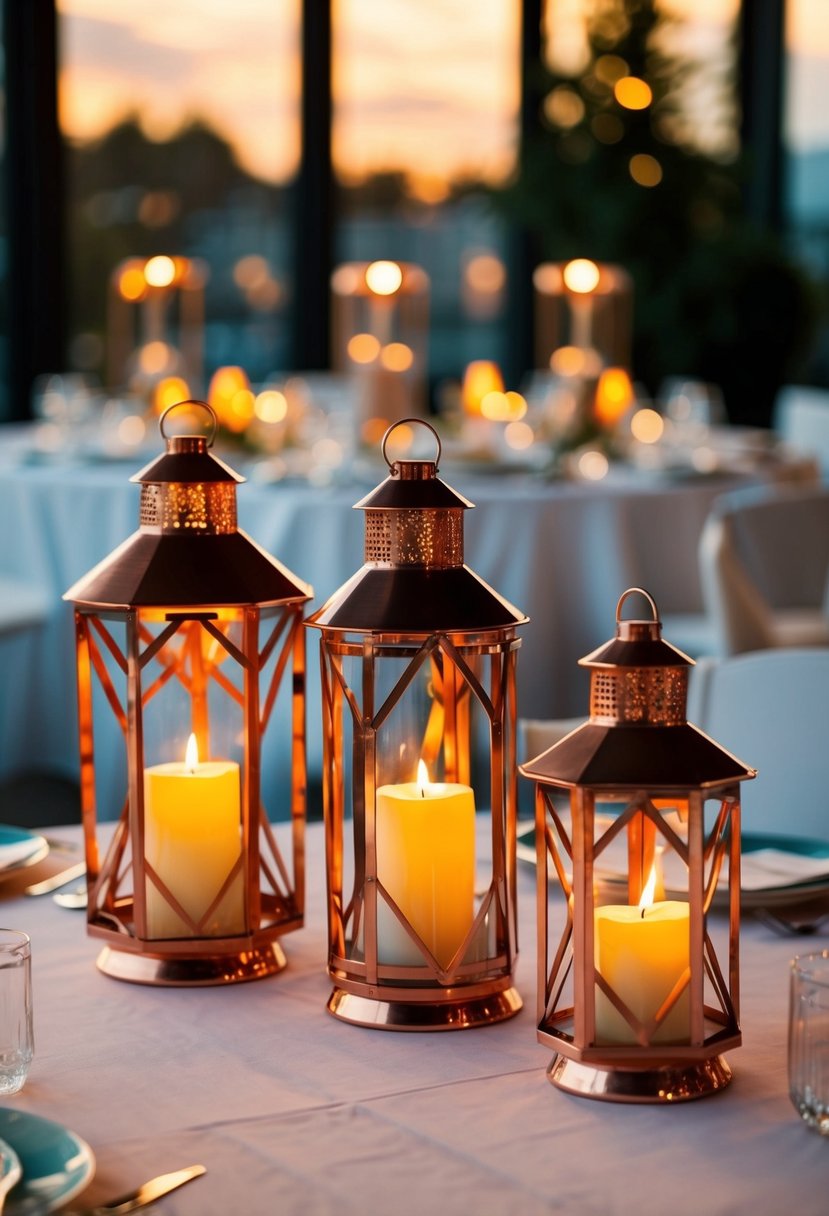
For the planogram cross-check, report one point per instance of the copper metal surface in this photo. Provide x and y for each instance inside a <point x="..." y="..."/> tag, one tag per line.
<point x="651" y="1085"/>
<point x="201" y="971"/>
<point x="218" y="663"/>
<point x="646" y="770"/>
<point x="415" y="621"/>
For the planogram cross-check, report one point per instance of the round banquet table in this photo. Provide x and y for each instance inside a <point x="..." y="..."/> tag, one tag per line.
<point x="561" y="551"/>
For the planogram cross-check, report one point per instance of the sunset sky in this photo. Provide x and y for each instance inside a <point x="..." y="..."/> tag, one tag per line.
<point x="426" y="85"/>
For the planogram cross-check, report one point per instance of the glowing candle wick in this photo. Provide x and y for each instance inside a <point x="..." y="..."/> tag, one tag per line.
<point x="191" y="755"/>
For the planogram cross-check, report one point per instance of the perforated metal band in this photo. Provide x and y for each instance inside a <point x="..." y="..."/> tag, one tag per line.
<point x="431" y="538"/>
<point x="648" y="696"/>
<point x="206" y="508"/>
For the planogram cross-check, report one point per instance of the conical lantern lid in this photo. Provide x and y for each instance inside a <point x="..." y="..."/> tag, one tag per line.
<point x="414" y="579"/>
<point x="188" y="549"/>
<point x="638" y="735"/>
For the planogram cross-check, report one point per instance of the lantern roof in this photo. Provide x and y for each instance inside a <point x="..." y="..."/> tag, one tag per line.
<point x="188" y="549"/>
<point x="637" y="757"/>
<point x="637" y="735"/>
<point x="414" y="579"/>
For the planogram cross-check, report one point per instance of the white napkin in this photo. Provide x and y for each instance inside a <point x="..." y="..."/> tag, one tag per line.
<point x="767" y="868"/>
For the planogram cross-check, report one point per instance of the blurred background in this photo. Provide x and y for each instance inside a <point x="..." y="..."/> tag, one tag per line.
<point x="269" y="141"/>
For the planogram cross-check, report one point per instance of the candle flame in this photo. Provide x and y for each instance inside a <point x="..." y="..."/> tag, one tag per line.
<point x="191" y="755"/>
<point x="422" y="777"/>
<point x="646" y="898"/>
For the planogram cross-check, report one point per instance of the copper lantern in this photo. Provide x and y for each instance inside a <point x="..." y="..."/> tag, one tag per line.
<point x="638" y="845"/>
<point x="189" y="637"/>
<point x="418" y="683"/>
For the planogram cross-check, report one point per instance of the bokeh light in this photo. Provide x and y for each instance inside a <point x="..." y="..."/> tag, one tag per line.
<point x="581" y="276"/>
<point x="647" y="426"/>
<point x="633" y="93"/>
<point x="160" y="271"/>
<point x="384" y="278"/>
<point x="363" y="348"/>
<point x="397" y="357"/>
<point x="645" y="170"/>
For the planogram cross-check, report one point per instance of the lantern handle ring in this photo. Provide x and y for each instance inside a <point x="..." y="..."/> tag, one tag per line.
<point x="636" y="591"/>
<point x="214" y="421"/>
<point x="402" y="422"/>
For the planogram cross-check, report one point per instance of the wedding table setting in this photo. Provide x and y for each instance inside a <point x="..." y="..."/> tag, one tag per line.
<point x="292" y="1110"/>
<point x="203" y="977"/>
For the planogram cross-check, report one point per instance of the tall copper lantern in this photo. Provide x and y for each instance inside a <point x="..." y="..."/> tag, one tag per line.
<point x="418" y="662"/>
<point x="191" y="637"/>
<point x="638" y="834"/>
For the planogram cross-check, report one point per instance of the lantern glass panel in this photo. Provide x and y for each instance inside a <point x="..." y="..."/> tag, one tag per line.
<point x="192" y="684"/>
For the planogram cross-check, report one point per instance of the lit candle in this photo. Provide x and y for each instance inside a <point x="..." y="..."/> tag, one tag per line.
<point x="192" y="840"/>
<point x="481" y="377"/>
<point x="581" y="278"/>
<point x="641" y="953"/>
<point x="425" y="835"/>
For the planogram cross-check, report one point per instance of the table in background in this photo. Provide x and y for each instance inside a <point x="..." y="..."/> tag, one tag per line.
<point x="296" y="1113"/>
<point x="561" y="551"/>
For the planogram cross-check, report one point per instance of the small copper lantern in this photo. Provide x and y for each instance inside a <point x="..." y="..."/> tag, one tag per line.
<point x="419" y="707"/>
<point x="637" y="993"/>
<point x="191" y="636"/>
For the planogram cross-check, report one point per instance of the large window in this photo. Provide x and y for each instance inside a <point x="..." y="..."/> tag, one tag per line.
<point x="425" y="122"/>
<point x="181" y="124"/>
<point x="806" y="141"/>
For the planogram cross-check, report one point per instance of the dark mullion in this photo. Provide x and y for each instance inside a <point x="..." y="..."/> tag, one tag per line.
<point x="762" y="51"/>
<point x="314" y="214"/>
<point x="524" y="255"/>
<point x="33" y="184"/>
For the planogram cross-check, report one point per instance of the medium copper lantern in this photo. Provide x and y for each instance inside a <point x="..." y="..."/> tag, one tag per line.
<point x="418" y="682"/>
<point x="191" y="637"/>
<point x="638" y="831"/>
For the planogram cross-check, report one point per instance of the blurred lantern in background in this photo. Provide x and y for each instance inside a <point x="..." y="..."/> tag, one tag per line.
<point x="583" y="304"/>
<point x="155" y="322"/>
<point x="380" y="320"/>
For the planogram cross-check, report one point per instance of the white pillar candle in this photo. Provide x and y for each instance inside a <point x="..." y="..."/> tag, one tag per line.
<point x="425" y="834"/>
<point x="192" y="840"/>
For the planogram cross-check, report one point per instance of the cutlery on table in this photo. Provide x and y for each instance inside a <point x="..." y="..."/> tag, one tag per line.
<point x="143" y="1195"/>
<point x="791" y="926"/>
<point x="75" y="899"/>
<point x="56" y="880"/>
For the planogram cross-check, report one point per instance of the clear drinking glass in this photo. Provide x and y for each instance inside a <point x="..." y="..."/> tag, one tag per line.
<point x="16" y="1035"/>
<point x="809" y="1039"/>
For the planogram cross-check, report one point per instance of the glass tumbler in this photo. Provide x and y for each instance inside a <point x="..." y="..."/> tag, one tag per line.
<point x="809" y="1039"/>
<point x="16" y="1036"/>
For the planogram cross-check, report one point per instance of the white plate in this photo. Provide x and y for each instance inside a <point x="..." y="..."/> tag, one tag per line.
<point x="19" y="848"/>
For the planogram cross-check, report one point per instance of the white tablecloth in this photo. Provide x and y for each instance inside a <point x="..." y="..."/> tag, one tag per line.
<point x="298" y="1114"/>
<point x="563" y="552"/>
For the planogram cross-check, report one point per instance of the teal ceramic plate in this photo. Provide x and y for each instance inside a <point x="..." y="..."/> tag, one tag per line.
<point x="19" y="848"/>
<point x="56" y="1163"/>
<point x="777" y="895"/>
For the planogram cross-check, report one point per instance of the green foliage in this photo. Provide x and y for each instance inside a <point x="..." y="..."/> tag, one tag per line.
<point x="714" y="298"/>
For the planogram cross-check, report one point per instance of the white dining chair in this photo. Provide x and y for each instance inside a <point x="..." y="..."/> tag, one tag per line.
<point x="801" y="419"/>
<point x="764" y="568"/>
<point x="770" y="709"/>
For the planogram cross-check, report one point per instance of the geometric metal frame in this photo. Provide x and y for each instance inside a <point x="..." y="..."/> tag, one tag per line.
<point x="274" y="891"/>
<point x="424" y="996"/>
<point x="644" y="1070"/>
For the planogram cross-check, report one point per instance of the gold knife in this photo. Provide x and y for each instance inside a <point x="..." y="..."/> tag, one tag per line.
<point x="146" y="1194"/>
<point x="56" y="880"/>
